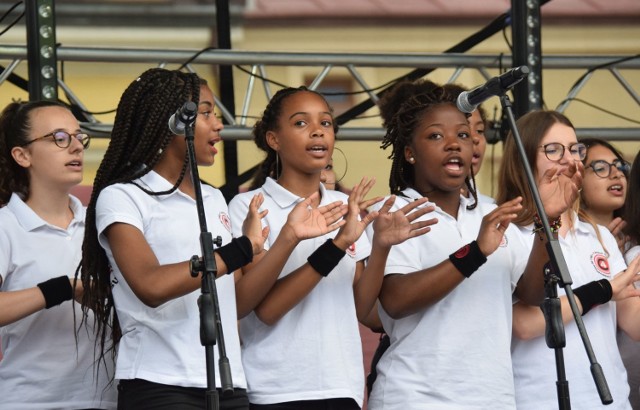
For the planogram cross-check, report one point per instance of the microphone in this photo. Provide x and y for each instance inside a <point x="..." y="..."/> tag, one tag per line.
<point x="185" y="115"/>
<point x="468" y="101"/>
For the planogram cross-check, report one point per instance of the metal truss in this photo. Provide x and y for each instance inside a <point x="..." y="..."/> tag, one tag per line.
<point x="11" y="56"/>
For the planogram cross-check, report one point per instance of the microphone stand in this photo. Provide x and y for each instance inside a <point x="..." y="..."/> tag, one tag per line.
<point x="210" y="322"/>
<point x="556" y="272"/>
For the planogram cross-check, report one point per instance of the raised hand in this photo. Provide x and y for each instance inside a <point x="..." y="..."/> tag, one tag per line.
<point x="558" y="191"/>
<point x="616" y="227"/>
<point x="252" y="225"/>
<point x="495" y="223"/>
<point x="354" y="226"/>
<point x="392" y="228"/>
<point x="622" y="284"/>
<point x="308" y="222"/>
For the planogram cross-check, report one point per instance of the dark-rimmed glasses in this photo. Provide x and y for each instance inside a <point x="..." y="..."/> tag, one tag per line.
<point x="63" y="139"/>
<point x="603" y="168"/>
<point x="555" y="151"/>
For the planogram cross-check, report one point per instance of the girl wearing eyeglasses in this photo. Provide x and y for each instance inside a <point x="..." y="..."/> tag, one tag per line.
<point x="602" y="283"/>
<point x="46" y="363"/>
<point x="604" y="187"/>
<point x="602" y="201"/>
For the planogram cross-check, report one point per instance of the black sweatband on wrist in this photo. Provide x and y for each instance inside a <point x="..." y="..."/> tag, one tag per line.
<point x="236" y="253"/>
<point x="594" y="293"/>
<point x="326" y="257"/>
<point x="56" y="291"/>
<point x="468" y="259"/>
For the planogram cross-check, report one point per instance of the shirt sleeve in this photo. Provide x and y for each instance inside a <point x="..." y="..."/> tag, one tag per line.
<point x="632" y="253"/>
<point x="616" y="260"/>
<point x="116" y="205"/>
<point x="5" y="257"/>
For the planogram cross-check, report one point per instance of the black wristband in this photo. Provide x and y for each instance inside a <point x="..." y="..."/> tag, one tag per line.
<point x="326" y="257"/>
<point x="56" y="291"/>
<point x="236" y="253"/>
<point x="468" y="259"/>
<point x="594" y="293"/>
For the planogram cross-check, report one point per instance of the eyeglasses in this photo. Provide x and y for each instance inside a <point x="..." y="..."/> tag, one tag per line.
<point x="555" y="151"/>
<point x="63" y="139"/>
<point x="603" y="169"/>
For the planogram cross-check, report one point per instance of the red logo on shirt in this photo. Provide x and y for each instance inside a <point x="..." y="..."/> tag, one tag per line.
<point x="601" y="263"/>
<point x="351" y="250"/>
<point x="226" y="222"/>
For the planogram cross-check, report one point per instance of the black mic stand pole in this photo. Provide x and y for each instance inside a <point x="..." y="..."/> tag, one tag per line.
<point x="556" y="271"/>
<point x="210" y="322"/>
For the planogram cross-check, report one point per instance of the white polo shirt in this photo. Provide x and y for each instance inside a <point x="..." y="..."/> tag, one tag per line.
<point x="314" y="352"/>
<point x="455" y="353"/>
<point x="630" y="254"/>
<point x="162" y="344"/>
<point x="534" y="363"/>
<point x="41" y="367"/>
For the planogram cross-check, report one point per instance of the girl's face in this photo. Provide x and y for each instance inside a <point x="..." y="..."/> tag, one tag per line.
<point x="441" y="150"/>
<point x="479" y="140"/>
<point x="562" y="138"/>
<point x="603" y="193"/>
<point x="46" y="162"/>
<point x="304" y="135"/>
<point x="207" y="129"/>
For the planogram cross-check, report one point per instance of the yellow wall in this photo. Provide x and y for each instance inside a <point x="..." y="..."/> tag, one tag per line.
<point x="99" y="85"/>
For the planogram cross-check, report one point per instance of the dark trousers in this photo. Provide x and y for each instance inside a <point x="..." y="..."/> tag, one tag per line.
<point x="138" y="394"/>
<point x="329" y="404"/>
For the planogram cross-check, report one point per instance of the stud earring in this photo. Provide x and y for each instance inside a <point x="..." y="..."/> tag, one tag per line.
<point x="411" y="160"/>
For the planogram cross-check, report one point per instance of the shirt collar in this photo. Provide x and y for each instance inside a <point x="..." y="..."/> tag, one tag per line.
<point x="30" y="221"/>
<point x="285" y="198"/>
<point x="155" y="182"/>
<point x="415" y="195"/>
<point x="580" y="226"/>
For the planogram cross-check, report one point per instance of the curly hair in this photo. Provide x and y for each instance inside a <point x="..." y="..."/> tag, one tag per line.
<point x="16" y="122"/>
<point x="269" y="122"/>
<point x="402" y="111"/>
<point x="139" y="138"/>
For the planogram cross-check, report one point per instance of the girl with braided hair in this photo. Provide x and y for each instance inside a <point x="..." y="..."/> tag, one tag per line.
<point x="142" y="230"/>
<point x="446" y="297"/>
<point x="301" y="345"/>
<point x="46" y="364"/>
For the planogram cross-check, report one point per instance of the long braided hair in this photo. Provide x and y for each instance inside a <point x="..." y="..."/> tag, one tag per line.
<point x="139" y="138"/>
<point x="402" y="110"/>
<point x="269" y="122"/>
<point x="15" y="126"/>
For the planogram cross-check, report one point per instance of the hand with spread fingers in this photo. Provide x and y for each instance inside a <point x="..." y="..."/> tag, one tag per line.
<point x="392" y="228"/>
<point x="354" y="226"/>
<point x="559" y="190"/>
<point x="495" y="223"/>
<point x="308" y="222"/>
<point x="616" y="227"/>
<point x="622" y="284"/>
<point x="252" y="225"/>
